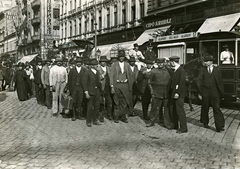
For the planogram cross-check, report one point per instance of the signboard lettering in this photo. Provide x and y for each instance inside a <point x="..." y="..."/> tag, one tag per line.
<point x="158" y="23"/>
<point x="177" y="37"/>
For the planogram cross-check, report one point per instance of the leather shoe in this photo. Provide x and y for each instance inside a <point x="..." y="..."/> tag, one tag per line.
<point x="96" y="123"/>
<point x="73" y="119"/>
<point x="89" y="124"/>
<point x="150" y="124"/>
<point x="125" y="120"/>
<point x="55" y="114"/>
<point x="219" y="130"/>
<point x="180" y="132"/>
<point x="116" y="121"/>
<point x="206" y="126"/>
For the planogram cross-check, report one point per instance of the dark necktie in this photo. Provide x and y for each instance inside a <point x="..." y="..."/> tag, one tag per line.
<point x="209" y="70"/>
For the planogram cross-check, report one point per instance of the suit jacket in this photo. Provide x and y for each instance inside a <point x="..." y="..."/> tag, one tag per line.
<point x="218" y="79"/>
<point x="178" y="84"/>
<point x="114" y="72"/>
<point x="45" y="75"/>
<point x="90" y="81"/>
<point x="105" y="79"/>
<point x="134" y="74"/>
<point x="72" y="78"/>
<point x="37" y="75"/>
<point x="142" y="80"/>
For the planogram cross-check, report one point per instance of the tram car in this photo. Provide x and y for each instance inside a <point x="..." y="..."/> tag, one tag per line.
<point x="192" y="47"/>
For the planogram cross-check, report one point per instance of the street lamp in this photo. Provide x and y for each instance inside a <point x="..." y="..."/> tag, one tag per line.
<point x="98" y="54"/>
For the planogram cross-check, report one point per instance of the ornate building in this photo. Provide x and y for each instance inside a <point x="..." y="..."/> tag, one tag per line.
<point x="112" y="21"/>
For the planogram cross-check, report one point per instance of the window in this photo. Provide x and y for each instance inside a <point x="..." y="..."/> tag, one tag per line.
<point x="70" y="29"/>
<point x="75" y="27"/>
<point x="80" y="25"/>
<point x="133" y="13"/>
<point x="65" y="30"/>
<point x="142" y="11"/>
<point x="92" y="23"/>
<point x="227" y="53"/>
<point x="177" y="50"/>
<point x="56" y="13"/>
<point x="100" y="20"/>
<point x="108" y="18"/>
<point x="124" y="12"/>
<point x="115" y="15"/>
<point x="210" y="48"/>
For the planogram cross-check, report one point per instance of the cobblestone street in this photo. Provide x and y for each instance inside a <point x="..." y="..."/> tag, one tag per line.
<point x="31" y="138"/>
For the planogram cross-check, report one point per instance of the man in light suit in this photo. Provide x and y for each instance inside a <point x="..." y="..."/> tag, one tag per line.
<point x="58" y="78"/>
<point x="211" y="92"/>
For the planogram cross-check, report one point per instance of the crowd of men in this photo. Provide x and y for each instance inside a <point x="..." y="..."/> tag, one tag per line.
<point x="110" y="88"/>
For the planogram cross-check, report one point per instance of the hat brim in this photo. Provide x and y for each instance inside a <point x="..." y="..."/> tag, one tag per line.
<point x="103" y="60"/>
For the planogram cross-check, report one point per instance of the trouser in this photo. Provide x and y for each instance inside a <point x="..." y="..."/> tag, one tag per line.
<point x="213" y="101"/>
<point x="48" y="97"/>
<point x="77" y="96"/>
<point x="106" y="102"/>
<point x="93" y="107"/>
<point x="181" y="116"/>
<point x="157" y="104"/>
<point x="39" y="93"/>
<point x="146" y="99"/>
<point x="56" y="102"/>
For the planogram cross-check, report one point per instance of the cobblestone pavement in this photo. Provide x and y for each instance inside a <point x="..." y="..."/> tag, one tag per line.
<point x="31" y="138"/>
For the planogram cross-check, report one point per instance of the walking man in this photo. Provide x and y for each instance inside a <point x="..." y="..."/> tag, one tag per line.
<point x="178" y="93"/>
<point x="211" y="92"/>
<point x="58" y="78"/>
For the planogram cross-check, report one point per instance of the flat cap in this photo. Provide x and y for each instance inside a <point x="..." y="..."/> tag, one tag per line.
<point x="160" y="60"/>
<point x="174" y="58"/>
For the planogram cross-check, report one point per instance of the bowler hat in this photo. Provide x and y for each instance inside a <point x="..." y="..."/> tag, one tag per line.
<point x="78" y="59"/>
<point x="208" y="58"/>
<point x="121" y="53"/>
<point x="132" y="59"/>
<point x="103" y="58"/>
<point x="148" y="61"/>
<point x="135" y="45"/>
<point x="93" y="62"/>
<point x="20" y="64"/>
<point x="174" y="58"/>
<point x="160" y="60"/>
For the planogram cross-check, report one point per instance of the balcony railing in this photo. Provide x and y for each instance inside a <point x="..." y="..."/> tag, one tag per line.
<point x="36" y="4"/>
<point x="36" y="37"/>
<point x="36" y="20"/>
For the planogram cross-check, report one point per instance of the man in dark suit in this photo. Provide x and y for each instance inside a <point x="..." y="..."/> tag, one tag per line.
<point x="92" y="90"/>
<point x="38" y="82"/>
<point x="178" y="93"/>
<point x="211" y="92"/>
<point x="159" y="81"/>
<point x="144" y="88"/>
<point x="75" y="87"/>
<point x="120" y="81"/>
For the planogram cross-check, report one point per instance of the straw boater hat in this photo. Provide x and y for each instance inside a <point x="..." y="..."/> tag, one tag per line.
<point x="103" y="58"/>
<point x="208" y="58"/>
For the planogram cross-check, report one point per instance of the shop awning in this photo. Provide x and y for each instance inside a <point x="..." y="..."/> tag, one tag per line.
<point x="110" y="48"/>
<point x="27" y="58"/>
<point x="146" y="35"/>
<point x="219" y="24"/>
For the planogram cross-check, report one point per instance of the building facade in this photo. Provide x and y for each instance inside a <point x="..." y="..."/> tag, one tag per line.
<point x="112" y="21"/>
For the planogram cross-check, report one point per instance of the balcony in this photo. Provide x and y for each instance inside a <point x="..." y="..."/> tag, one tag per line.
<point x="36" y="4"/>
<point x="36" y="20"/>
<point x="36" y="37"/>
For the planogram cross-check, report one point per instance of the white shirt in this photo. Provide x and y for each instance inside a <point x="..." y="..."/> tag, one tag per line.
<point x="94" y="70"/>
<point x="211" y="68"/>
<point x="227" y="57"/>
<point x="132" y="68"/>
<point x="121" y="64"/>
<point x="78" y="69"/>
<point x="136" y="54"/>
<point x="176" y="67"/>
<point x="58" y="74"/>
<point x="104" y="68"/>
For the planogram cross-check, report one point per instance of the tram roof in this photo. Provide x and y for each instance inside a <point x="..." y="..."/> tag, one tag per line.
<point x="223" y="35"/>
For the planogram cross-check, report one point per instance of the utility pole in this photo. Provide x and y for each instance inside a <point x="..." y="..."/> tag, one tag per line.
<point x="95" y="26"/>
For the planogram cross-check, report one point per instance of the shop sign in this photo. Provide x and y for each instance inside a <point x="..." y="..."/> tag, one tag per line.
<point x="158" y="23"/>
<point x="177" y="37"/>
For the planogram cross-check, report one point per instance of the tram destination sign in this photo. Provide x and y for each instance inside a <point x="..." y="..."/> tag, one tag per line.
<point x="177" y="36"/>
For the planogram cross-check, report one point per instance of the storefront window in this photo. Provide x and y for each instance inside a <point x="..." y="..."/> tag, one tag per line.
<point x="210" y="48"/>
<point x="227" y="53"/>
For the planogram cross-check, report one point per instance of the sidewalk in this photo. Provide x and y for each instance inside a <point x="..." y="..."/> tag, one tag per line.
<point x="32" y="138"/>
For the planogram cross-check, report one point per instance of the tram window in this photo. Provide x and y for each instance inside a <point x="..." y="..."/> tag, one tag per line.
<point x="210" y="48"/>
<point x="226" y="50"/>
<point x="238" y="57"/>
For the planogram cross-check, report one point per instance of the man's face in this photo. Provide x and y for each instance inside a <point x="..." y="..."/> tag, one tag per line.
<point x="149" y="66"/>
<point x="160" y="65"/>
<point x="132" y="63"/>
<point x="208" y="63"/>
<point x="121" y="58"/>
<point x="150" y="48"/>
<point x="172" y="64"/>
<point x="39" y="63"/>
<point x="48" y="63"/>
<point x="78" y="64"/>
<point x="20" y="67"/>
<point x="103" y="64"/>
<point x="59" y="63"/>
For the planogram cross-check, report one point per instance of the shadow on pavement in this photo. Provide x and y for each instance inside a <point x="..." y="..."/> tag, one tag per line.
<point x="3" y="97"/>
